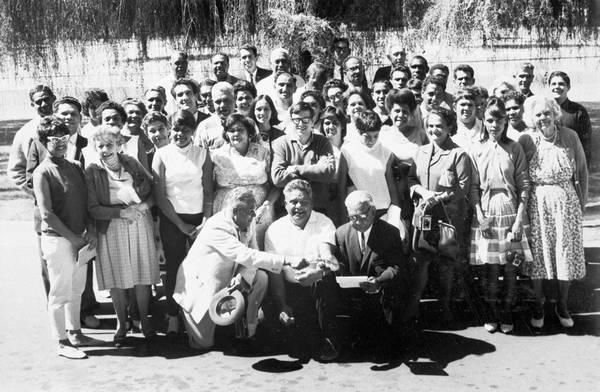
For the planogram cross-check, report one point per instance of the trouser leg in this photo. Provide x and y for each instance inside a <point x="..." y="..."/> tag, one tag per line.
<point x="254" y="300"/>
<point x="175" y="247"/>
<point x="73" y="307"/>
<point x="43" y="266"/>
<point x="200" y="335"/>
<point x="60" y="257"/>
<point x="325" y="294"/>
<point x="88" y="299"/>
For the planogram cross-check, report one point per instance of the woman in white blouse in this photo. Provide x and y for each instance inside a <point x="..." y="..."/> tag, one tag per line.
<point x="183" y="187"/>
<point x="244" y="162"/>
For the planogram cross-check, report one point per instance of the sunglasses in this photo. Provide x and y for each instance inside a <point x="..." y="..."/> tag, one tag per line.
<point x="58" y="139"/>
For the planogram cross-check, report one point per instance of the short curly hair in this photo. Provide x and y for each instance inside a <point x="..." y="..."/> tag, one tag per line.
<point x="237" y="118"/>
<point x="532" y="102"/>
<point x="51" y="126"/>
<point x="154" y="117"/>
<point x="114" y="106"/>
<point x="298" y="185"/>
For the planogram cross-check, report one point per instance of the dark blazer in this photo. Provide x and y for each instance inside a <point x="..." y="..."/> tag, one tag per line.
<point x="37" y="153"/>
<point x="261" y="73"/>
<point x="383" y="257"/>
<point x="382" y="73"/>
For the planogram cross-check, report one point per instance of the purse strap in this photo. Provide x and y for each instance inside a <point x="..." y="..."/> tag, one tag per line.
<point x="445" y="212"/>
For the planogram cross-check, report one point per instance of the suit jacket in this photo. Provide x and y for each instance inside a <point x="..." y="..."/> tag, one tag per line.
<point x="213" y="260"/>
<point x="261" y="73"/>
<point x="383" y="257"/>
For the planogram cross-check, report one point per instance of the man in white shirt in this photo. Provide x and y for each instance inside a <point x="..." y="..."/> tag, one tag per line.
<point x="209" y="133"/>
<point x="284" y="87"/>
<point x="311" y="235"/>
<point x="41" y="98"/>
<point x="280" y="61"/>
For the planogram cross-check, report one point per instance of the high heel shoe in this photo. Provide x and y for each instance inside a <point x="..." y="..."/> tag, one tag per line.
<point x="566" y="322"/>
<point x="537" y="318"/>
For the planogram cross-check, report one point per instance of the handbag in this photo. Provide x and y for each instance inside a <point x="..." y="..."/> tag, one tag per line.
<point x="448" y="243"/>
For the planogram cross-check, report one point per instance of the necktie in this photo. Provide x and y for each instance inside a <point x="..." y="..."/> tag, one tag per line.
<point x="252" y="79"/>
<point x="362" y="242"/>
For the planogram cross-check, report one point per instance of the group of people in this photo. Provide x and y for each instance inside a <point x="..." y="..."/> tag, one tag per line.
<point x="282" y="186"/>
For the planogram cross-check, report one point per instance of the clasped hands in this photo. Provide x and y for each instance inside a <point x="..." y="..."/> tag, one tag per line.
<point x="307" y="276"/>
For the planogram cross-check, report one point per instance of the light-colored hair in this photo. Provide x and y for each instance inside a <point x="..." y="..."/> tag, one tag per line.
<point x="536" y="100"/>
<point x="298" y="185"/>
<point x="239" y="196"/>
<point x="504" y="80"/>
<point x="279" y="51"/>
<point x="103" y="131"/>
<point x="222" y="87"/>
<point x="359" y="199"/>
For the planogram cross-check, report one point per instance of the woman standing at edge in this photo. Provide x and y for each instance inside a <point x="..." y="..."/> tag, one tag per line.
<point x="59" y="188"/>
<point x="559" y="183"/>
<point x="183" y="189"/>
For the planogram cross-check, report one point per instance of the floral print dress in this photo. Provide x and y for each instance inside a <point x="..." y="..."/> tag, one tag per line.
<point x="555" y="215"/>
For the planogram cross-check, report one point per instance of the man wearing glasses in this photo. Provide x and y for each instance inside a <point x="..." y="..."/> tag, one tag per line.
<point x="341" y="51"/>
<point x="304" y="155"/>
<point x="370" y="247"/>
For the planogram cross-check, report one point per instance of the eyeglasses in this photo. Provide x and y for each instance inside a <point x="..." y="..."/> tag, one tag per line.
<point x="358" y="217"/>
<point x="304" y="121"/>
<point x="341" y="47"/>
<point x="58" y="139"/>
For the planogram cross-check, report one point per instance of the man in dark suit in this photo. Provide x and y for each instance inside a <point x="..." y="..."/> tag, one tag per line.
<point x="67" y="109"/>
<point x="397" y="56"/>
<point x="251" y="72"/>
<point x="368" y="246"/>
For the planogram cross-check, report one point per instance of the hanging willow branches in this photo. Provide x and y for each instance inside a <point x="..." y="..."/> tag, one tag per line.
<point x="38" y="25"/>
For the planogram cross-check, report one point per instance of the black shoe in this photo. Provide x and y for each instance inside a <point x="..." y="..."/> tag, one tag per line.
<point x="328" y="351"/>
<point x="119" y="340"/>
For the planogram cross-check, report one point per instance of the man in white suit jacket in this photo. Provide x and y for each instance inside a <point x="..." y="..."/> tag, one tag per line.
<point x="225" y="247"/>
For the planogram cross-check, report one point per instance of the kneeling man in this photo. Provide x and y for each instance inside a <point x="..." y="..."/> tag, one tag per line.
<point x="368" y="246"/>
<point x="226" y="247"/>
<point x="308" y="234"/>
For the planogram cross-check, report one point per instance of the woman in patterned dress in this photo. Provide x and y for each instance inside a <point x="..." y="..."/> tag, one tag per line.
<point x="499" y="196"/>
<point x="119" y="200"/>
<point x="244" y="162"/>
<point x="558" y="173"/>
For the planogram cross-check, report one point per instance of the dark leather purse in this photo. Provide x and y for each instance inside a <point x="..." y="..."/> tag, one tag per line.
<point x="435" y="236"/>
<point x="448" y="242"/>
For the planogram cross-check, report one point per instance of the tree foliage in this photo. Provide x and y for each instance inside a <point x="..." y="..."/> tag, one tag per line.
<point x="39" y="25"/>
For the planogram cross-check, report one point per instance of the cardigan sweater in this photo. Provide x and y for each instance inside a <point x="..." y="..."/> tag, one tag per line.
<point x="96" y="177"/>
